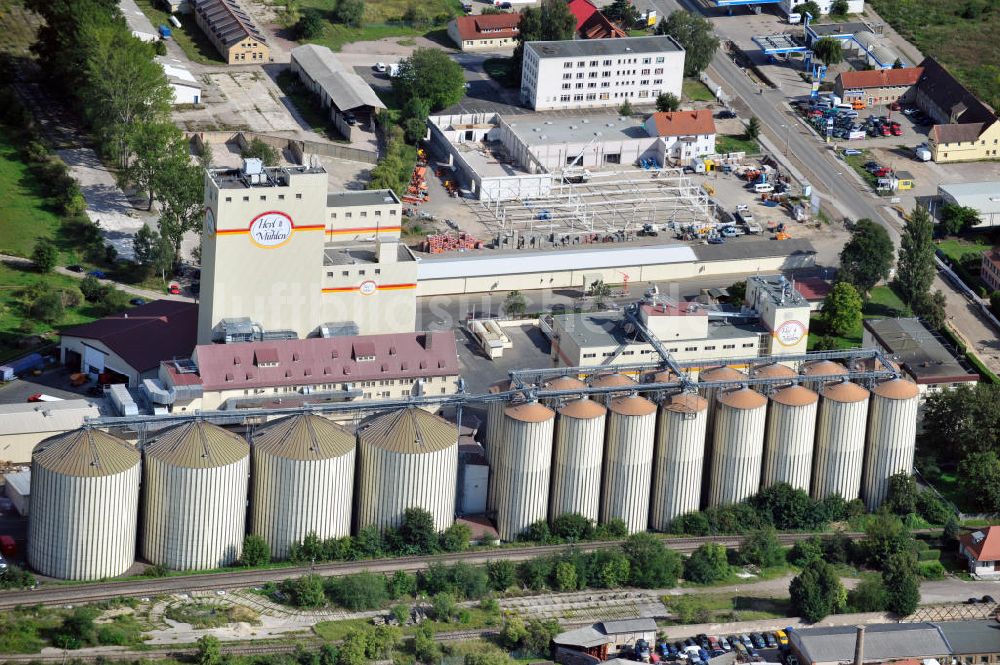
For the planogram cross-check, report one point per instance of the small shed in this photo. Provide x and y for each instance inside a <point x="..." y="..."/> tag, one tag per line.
<point x="18" y="490"/>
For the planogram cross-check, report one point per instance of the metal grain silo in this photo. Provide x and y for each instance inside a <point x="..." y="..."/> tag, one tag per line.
<point x="892" y="432"/>
<point x="788" y="444"/>
<point x="303" y="481"/>
<point x="84" y="506"/>
<point x="195" y="488"/>
<point x="840" y="440"/>
<point x="709" y="393"/>
<point x="524" y="462"/>
<point x="679" y="460"/>
<point x="577" y="454"/>
<point x="628" y="461"/>
<point x="407" y="458"/>
<point x="494" y="433"/>
<point x="611" y="381"/>
<point x="663" y="376"/>
<point x="772" y="371"/>
<point x="821" y="368"/>
<point x="738" y="446"/>
<point x="561" y="383"/>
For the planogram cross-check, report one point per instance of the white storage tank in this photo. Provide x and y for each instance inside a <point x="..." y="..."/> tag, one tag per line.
<point x="826" y="368"/>
<point x="840" y="441"/>
<point x="788" y="444"/>
<point x="738" y="446"/>
<point x="524" y="463"/>
<point x="303" y="481"/>
<point x="628" y="461"/>
<point x="892" y="433"/>
<point x="772" y="371"/>
<point x="494" y="433"/>
<point x="407" y="458"/>
<point x="679" y="460"/>
<point x="84" y="506"/>
<point x="577" y="455"/>
<point x="195" y="488"/>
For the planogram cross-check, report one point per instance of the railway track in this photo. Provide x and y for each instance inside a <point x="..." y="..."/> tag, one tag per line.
<point x="61" y="594"/>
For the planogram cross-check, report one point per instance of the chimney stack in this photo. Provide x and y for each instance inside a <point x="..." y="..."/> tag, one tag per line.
<point x="859" y="647"/>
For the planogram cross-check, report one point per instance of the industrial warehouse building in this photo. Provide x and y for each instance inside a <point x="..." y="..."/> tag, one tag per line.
<point x="184" y="86"/>
<point x="592" y="73"/>
<point x="24" y="426"/>
<point x="920" y="353"/>
<point x="232" y="31"/>
<point x="983" y="197"/>
<point x="128" y="347"/>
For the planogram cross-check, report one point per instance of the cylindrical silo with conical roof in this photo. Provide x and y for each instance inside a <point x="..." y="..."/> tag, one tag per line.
<point x="663" y="376"/>
<point x="723" y="373"/>
<point x="407" y="458"/>
<point x="738" y="446"/>
<point x="628" y="461"/>
<point x="772" y="371"/>
<point x="561" y="383"/>
<point x="303" y="481"/>
<point x="195" y="484"/>
<point x="892" y="433"/>
<point x="788" y="444"/>
<point x="84" y="506"/>
<point x="577" y="455"/>
<point x="679" y="460"/>
<point x="610" y="381"/>
<point x="494" y="433"/>
<point x="523" y="462"/>
<point x="827" y="368"/>
<point x="839" y="450"/>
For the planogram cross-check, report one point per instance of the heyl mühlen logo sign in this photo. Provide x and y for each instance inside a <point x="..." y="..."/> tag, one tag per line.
<point x="368" y="287"/>
<point x="271" y="229"/>
<point x="210" y="220"/>
<point x="790" y="333"/>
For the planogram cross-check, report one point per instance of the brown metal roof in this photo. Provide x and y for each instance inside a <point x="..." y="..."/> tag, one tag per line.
<point x="773" y="371"/>
<point x="721" y="374"/>
<point x="897" y="389"/>
<point x="198" y="445"/>
<point x="530" y="412"/>
<point x="611" y="381"/>
<point x="85" y="452"/>
<point x="409" y="431"/>
<point x="844" y="391"/>
<point x="304" y="437"/>
<point x="632" y="405"/>
<point x="687" y="403"/>
<point x="823" y="368"/>
<point x="742" y="398"/>
<point x="795" y="396"/>
<point x="583" y="409"/>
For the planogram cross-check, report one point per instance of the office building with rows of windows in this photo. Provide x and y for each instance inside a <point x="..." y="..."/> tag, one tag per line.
<point x="593" y="73"/>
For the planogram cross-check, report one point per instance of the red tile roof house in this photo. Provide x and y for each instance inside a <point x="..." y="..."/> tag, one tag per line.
<point x="284" y="373"/>
<point x="686" y="134"/>
<point x="485" y="32"/>
<point x="591" y="23"/>
<point x="132" y="343"/>
<point x="982" y="550"/>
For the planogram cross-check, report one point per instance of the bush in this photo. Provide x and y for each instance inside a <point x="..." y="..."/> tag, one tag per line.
<point x="456" y="538"/>
<point x="310" y="24"/>
<point x="931" y="570"/>
<point x="869" y="595"/>
<point x="257" y="148"/>
<point x="502" y="574"/>
<point x="306" y="591"/>
<point x="761" y="548"/>
<point x="707" y="564"/>
<point x="256" y="551"/>
<point x="45" y="255"/>
<point x="572" y="527"/>
<point x="444" y="607"/>
<point x="47" y="307"/>
<point x="361" y="591"/>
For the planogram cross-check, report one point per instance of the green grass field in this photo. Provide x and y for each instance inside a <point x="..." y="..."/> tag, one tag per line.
<point x="189" y="36"/>
<point x="960" y="35"/>
<point x="385" y="18"/>
<point x="883" y="303"/>
<point x="733" y="143"/>
<point x="966" y="257"/>
<point x="696" y="91"/>
<point x="26" y="214"/>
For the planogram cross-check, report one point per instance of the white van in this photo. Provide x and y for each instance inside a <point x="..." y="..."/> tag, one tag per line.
<point x="795" y="19"/>
<point x="763" y="188"/>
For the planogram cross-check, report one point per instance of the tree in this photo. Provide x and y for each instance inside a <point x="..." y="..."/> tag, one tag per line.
<point x="956" y="218"/>
<point x="806" y="551"/>
<point x="431" y="75"/>
<point x="360" y="591"/>
<point x="310" y="24"/>
<point x="839" y="8"/>
<point x="816" y="592"/>
<point x="256" y="551"/>
<point x="550" y="21"/>
<point x="44" y="255"/>
<point x="349" y="12"/>
<point x="952" y="529"/>
<point x="651" y="564"/>
<point x="902" y="585"/>
<point x="353" y="649"/>
<point x="572" y="527"/>
<point x="622" y="12"/>
<point x="143" y="245"/>
<point x="417" y="531"/>
<point x="306" y="591"/>
<point x="829" y="51"/>
<point x="609" y="569"/>
<point x="809" y="7"/>
<point x="695" y="34"/>
<point x="444" y="606"/>
<point x="599" y="291"/>
<point x="707" y="564"/>
<point x="625" y="108"/>
<point x="258" y="149"/>
<point x="92" y="288"/>
<point x="180" y="185"/>
<point x="979" y="480"/>
<point x="869" y="595"/>
<point x="867" y="257"/>
<point x="502" y="574"/>
<point x="962" y="421"/>
<point x="540" y="634"/>
<point x="401" y="584"/>
<point x="762" y="549"/>
<point x="565" y="576"/>
<point x="737" y="291"/>
<point x="667" y="102"/>
<point x="47" y="306"/>
<point x="753" y="129"/>
<point x="152" y="144"/>
<point x="513" y="632"/>
<point x="425" y="647"/>
<point x="842" y="309"/>
<point x="995" y="303"/>
<point x="915" y="268"/>
<point x="164" y="256"/>
<point x="455" y="538"/>
<point x="885" y="535"/>
<point x="514" y="304"/>
<point x="209" y="650"/>
<point x="902" y="496"/>
<point x="491" y="657"/>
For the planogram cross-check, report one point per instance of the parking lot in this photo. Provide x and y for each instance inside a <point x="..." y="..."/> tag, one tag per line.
<point x="873" y="127"/>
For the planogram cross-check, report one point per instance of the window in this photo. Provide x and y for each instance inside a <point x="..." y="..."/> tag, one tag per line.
<point x="592" y="75"/>
<point x="690" y="348"/>
<point x="593" y="63"/>
<point x="263" y="197"/>
<point x="246" y="198"/>
<point x="645" y="72"/>
<point x="378" y="213"/>
<point x="567" y="76"/>
<point x="591" y="85"/>
<point x="658" y="70"/>
<point x="644" y="93"/>
<point x="607" y="63"/>
<point x="659" y="60"/>
<point x="604" y="96"/>
<point x="592" y="96"/>
<point x="646" y="61"/>
<point x="579" y="75"/>
<point x="605" y="84"/>
<point x="229" y="199"/>
<point x="346" y="273"/>
<point x="657" y="81"/>
<point x="298" y="196"/>
<point x="567" y="65"/>
<point x="364" y="213"/>
<point x="644" y="82"/>
<point x="567" y="86"/>
<point x="728" y="346"/>
<point x="605" y="74"/>
<point x="579" y="86"/>
<point x="564" y="98"/>
<point x="281" y="197"/>
<point x="392" y="213"/>
<point x="710" y="348"/>
<point x="378" y="271"/>
<point x="577" y="98"/>
<point x="348" y="215"/>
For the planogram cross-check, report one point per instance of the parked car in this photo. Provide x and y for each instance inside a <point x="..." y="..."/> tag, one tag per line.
<point x="642" y="650"/>
<point x="771" y="640"/>
<point x="137" y="301"/>
<point x="97" y="274"/>
<point x="350" y="119"/>
<point x="747" y="642"/>
<point x="74" y="268"/>
<point x="851" y="151"/>
<point x="380" y="67"/>
<point x="782" y="637"/>
<point x="174" y="289"/>
<point x="758" y="640"/>
<point x="724" y="643"/>
<point x="726" y="114"/>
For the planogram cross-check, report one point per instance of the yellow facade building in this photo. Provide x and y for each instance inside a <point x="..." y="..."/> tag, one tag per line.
<point x="970" y="142"/>
<point x="232" y="31"/>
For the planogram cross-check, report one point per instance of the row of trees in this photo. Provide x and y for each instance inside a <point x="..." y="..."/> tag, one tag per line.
<point x="124" y="95"/>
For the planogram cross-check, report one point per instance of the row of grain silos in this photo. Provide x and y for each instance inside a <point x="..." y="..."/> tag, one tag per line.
<point x="302" y="474"/>
<point x="624" y="457"/>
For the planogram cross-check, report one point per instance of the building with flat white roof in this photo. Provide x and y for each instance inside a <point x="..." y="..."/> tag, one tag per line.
<point x="185" y="86"/>
<point x="853" y="6"/>
<point x="592" y="73"/>
<point x="24" y="426"/>
<point x="983" y="197"/>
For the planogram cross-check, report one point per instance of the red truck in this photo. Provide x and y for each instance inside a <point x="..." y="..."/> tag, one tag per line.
<point x="8" y="547"/>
